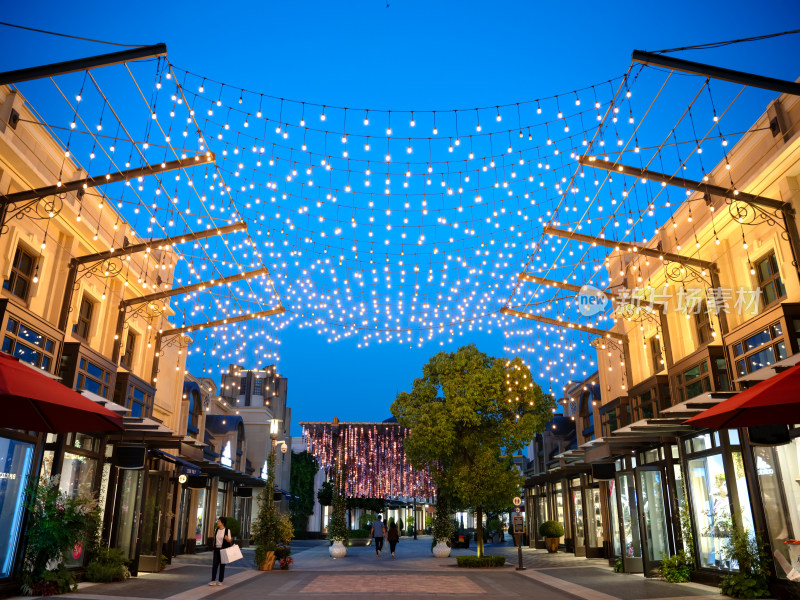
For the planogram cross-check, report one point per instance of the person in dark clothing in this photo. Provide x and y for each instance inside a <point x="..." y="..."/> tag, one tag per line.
<point x="222" y="539"/>
<point x="393" y="536"/>
<point x="378" y="531"/>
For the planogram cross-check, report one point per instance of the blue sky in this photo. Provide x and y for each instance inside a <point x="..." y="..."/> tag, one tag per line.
<point x="407" y="56"/>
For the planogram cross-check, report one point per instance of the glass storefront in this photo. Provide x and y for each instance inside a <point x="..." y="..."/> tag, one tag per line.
<point x="129" y="496"/>
<point x="222" y="495"/>
<point x="578" y="515"/>
<point x="559" y="501"/>
<point x="541" y="514"/>
<point x="632" y="544"/>
<point x="594" y="519"/>
<point x="654" y="514"/>
<point x="613" y="526"/>
<point x="200" y="523"/>
<point x="778" y="471"/>
<point x="15" y="466"/>
<point x="712" y="516"/>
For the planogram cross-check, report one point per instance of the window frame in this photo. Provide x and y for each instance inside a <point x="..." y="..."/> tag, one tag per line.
<point x="130" y="351"/>
<point x="16" y="274"/>
<point x="702" y="324"/>
<point x="774" y="279"/>
<point x="12" y="335"/>
<point x="83" y="326"/>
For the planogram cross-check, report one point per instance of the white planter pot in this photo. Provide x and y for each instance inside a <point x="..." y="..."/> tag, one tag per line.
<point x="337" y="550"/>
<point x="441" y="550"/>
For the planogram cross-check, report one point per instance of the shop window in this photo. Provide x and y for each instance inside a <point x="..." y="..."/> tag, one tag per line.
<point x="610" y="422"/>
<point x="694" y="381"/>
<point x="769" y="280"/>
<point x="130" y="349"/>
<point x="645" y="406"/>
<point x="93" y="378"/>
<point x="15" y="465"/>
<point x="20" y="280"/>
<point x="139" y="401"/>
<point x="656" y="357"/>
<point x="28" y="345"/>
<point x="763" y="349"/>
<point x="712" y="509"/>
<point x="702" y="324"/>
<point x="778" y="469"/>
<point x="84" y="325"/>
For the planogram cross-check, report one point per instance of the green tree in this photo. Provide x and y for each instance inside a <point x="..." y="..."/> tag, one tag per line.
<point x="467" y="413"/>
<point x="337" y="526"/>
<point x="301" y="484"/>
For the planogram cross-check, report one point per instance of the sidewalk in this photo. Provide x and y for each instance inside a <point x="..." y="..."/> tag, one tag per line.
<point x="412" y="575"/>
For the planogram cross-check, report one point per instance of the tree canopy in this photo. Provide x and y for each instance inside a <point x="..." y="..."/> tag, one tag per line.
<point x="467" y="414"/>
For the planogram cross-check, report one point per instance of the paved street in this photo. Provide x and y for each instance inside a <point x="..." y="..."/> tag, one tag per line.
<point x="413" y="574"/>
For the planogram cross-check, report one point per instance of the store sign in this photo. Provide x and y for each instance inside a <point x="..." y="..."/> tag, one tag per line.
<point x="77" y="551"/>
<point x="8" y="476"/>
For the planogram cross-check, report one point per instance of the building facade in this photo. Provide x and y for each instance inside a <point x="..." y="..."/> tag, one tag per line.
<point x="179" y="462"/>
<point x="637" y="483"/>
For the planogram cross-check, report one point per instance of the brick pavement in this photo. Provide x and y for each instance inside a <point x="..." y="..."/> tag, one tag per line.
<point x="413" y="575"/>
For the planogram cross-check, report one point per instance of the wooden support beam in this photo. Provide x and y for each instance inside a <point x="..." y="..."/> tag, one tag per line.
<point x="688" y="184"/>
<point x="90" y="182"/>
<point x="228" y="321"/>
<point x="624" y="246"/>
<point x="192" y="288"/>
<point x="160" y="243"/>
<point x="566" y="324"/>
<point x="559" y="284"/>
<point x="82" y="64"/>
<point x="695" y="68"/>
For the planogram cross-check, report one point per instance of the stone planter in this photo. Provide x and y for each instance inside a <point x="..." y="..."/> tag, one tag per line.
<point x="552" y="544"/>
<point x="441" y="550"/>
<point x="268" y="562"/>
<point x="337" y="549"/>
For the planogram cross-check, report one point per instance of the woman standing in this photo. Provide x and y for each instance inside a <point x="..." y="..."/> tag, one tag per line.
<point x="222" y="539"/>
<point x="393" y="536"/>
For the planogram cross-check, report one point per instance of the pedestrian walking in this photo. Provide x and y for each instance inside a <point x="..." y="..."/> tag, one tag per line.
<point x="222" y="539"/>
<point x="378" y="532"/>
<point x="393" y="536"/>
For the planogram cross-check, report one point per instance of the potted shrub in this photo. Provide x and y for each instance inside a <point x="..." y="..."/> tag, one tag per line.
<point x="551" y="531"/>
<point x="56" y="523"/>
<point x="337" y="526"/>
<point x="443" y="527"/>
<point x="270" y="527"/>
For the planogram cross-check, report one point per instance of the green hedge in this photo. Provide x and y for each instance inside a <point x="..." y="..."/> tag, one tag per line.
<point x="479" y="562"/>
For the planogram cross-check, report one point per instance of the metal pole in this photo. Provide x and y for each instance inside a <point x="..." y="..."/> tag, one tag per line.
<point x="559" y="284"/>
<point x="695" y="68"/>
<point x="518" y="536"/>
<point x="82" y="64"/>
<point x="415" y="518"/>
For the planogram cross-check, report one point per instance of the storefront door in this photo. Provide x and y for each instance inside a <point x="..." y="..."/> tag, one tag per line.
<point x="629" y="523"/>
<point x="653" y="518"/>
<point x="154" y="532"/>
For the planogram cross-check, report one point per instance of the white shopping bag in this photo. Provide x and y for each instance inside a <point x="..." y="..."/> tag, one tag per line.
<point x="231" y="554"/>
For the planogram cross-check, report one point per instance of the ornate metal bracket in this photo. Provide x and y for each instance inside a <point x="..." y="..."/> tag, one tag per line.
<point x="683" y="273"/>
<point x="39" y="209"/>
<point x="105" y="268"/>
<point x="148" y="310"/>
<point x="747" y="213"/>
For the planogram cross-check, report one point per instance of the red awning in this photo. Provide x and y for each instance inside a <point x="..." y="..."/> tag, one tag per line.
<point x="35" y="402"/>
<point x="774" y="401"/>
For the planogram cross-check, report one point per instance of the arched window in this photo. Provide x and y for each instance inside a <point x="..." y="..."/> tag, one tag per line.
<point x="225" y="459"/>
<point x="265" y="471"/>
